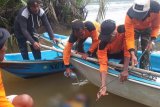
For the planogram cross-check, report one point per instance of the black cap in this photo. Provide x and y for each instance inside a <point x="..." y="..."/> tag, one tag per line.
<point x="77" y="25"/>
<point x="121" y="29"/>
<point x="107" y="28"/>
<point x="4" y="35"/>
<point x="32" y="2"/>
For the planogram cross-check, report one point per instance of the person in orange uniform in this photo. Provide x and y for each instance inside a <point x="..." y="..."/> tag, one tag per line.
<point x="112" y="45"/>
<point x="80" y="32"/>
<point x="142" y="23"/>
<point x="23" y="100"/>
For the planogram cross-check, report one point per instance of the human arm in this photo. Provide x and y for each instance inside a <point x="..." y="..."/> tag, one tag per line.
<point x="103" y="62"/>
<point x="124" y="74"/>
<point x="94" y="45"/>
<point x="103" y="88"/>
<point x="155" y="25"/>
<point x="127" y="56"/>
<point x="66" y="57"/>
<point x="24" y="30"/>
<point x="47" y="26"/>
<point x="95" y="41"/>
<point x="129" y="34"/>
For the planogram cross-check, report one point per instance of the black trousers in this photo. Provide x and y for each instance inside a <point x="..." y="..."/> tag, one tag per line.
<point x="24" y="51"/>
<point x="119" y="56"/>
<point x="79" y="46"/>
<point x="142" y="39"/>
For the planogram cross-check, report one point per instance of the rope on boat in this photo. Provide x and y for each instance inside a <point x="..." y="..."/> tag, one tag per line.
<point x="118" y="66"/>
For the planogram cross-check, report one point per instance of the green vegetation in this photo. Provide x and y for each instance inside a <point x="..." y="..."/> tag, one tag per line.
<point x="60" y="12"/>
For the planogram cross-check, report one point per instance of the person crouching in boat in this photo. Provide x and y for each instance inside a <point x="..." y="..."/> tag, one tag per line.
<point x="80" y="32"/>
<point x="112" y="45"/>
<point x="142" y="24"/>
<point x="23" y="100"/>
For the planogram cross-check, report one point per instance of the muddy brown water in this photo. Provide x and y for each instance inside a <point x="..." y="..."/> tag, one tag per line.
<point x="46" y="89"/>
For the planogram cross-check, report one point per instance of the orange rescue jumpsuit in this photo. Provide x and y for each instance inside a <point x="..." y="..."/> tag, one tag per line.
<point x="91" y="30"/>
<point x="3" y="100"/>
<point x="151" y="21"/>
<point x="113" y="47"/>
<point x="146" y="29"/>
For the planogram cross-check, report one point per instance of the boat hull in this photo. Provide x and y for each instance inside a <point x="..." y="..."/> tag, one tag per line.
<point x="34" y="68"/>
<point x="51" y="62"/>
<point x="147" y="94"/>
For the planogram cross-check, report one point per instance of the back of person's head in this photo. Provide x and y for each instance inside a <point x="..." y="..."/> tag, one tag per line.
<point x="32" y="2"/>
<point x="121" y="29"/>
<point x="4" y="35"/>
<point x="140" y="9"/>
<point x="107" y="28"/>
<point x="77" y="25"/>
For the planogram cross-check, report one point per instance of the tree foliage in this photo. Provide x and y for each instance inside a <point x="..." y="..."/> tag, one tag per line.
<point x="58" y="11"/>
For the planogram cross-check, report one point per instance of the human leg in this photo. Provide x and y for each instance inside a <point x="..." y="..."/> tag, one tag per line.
<point x="80" y="45"/>
<point x="23" y="48"/>
<point x="144" y="61"/>
<point x="119" y="56"/>
<point x="36" y="53"/>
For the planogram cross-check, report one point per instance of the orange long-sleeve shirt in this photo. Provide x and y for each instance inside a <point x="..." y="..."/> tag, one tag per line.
<point x="116" y="46"/>
<point x="3" y="100"/>
<point x="151" y="21"/>
<point x="92" y="30"/>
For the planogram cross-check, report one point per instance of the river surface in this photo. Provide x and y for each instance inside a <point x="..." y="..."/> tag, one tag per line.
<point x="46" y="89"/>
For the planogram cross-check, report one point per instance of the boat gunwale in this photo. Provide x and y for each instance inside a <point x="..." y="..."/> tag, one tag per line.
<point x="32" y="61"/>
<point x="132" y="80"/>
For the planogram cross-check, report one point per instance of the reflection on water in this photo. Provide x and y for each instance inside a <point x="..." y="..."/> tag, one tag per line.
<point x="115" y="10"/>
<point x="46" y="89"/>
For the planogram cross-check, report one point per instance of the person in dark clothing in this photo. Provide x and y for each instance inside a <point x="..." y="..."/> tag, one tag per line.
<point x="26" y="22"/>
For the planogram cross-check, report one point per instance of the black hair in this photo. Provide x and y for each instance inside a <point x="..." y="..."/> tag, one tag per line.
<point x="121" y="29"/>
<point x="77" y="25"/>
<point x="89" y="26"/>
<point x="31" y="2"/>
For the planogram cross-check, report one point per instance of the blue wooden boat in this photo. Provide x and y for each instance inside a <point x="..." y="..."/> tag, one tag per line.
<point x="155" y="55"/>
<point x="144" y="90"/>
<point x="140" y="87"/>
<point x="51" y="62"/>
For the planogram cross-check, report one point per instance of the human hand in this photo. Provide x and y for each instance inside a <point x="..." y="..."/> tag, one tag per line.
<point x="55" y="40"/>
<point x="102" y="92"/>
<point x="134" y="60"/>
<point x="150" y="46"/>
<point x="123" y="76"/>
<point x="68" y="72"/>
<point x="36" y="46"/>
<point x="84" y="56"/>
